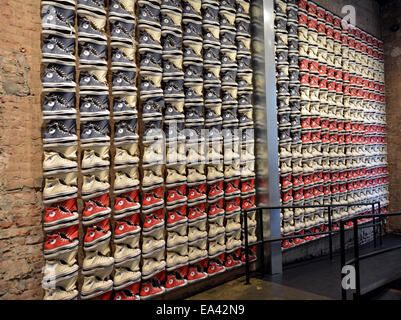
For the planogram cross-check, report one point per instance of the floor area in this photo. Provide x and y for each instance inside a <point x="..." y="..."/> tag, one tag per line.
<point x="318" y="279"/>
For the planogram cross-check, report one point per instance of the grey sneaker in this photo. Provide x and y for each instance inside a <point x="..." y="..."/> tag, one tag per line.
<point x="59" y="76"/>
<point x="122" y="9"/>
<point x="92" y="105"/>
<point x="92" y="28"/>
<point x="58" y="48"/>
<point x="58" y="17"/>
<point x="126" y="130"/>
<point x="92" y="53"/>
<point x="124" y="81"/>
<point x="59" y="103"/>
<point x="60" y="131"/>
<point x="95" y="131"/>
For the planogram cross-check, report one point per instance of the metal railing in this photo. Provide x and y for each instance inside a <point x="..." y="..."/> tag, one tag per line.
<point x="357" y="257"/>
<point x="330" y="233"/>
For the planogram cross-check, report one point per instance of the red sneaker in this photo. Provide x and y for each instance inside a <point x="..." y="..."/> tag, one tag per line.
<point x="124" y="229"/>
<point x="298" y="241"/>
<point x="194" y="275"/>
<point x="231" y="262"/>
<point x="214" y="268"/>
<point x="232" y="207"/>
<point x="172" y="282"/>
<point x="148" y="290"/>
<point x="129" y="293"/>
<point x="175" y="217"/>
<point x="196" y="214"/>
<point x="150" y="200"/>
<point x="174" y="196"/>
<point x="94" y="209"/>
<point x="57" y="242"/>
<point x="123" y="204"/>
<point x="97" y="233"/>
<point x="287" y="244"/>
<point x="195" y="195"/>
<point x="215" y="210"/>
<point x="152" y="222"/>
<point x="248" y="204"/>
<point x="59" y="215"/>
<point x="298" y="180"/>
<point x="286" y="181"/>
<point x="247" y="188"/>
<point x="215" y="191"/>
<point x="232" y="189"/>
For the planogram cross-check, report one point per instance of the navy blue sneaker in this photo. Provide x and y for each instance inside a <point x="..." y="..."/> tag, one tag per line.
<point x="174" y="89"/>
<point x="227" y="21"/>
<point x="194" y="114"/>
<point x="149" y="40"/>
<point x="211" y="36"/>
<point x="213" y="115"/>
<point x="193" y="94"/>
<point x="153" y="107"/>
<point x="245" y="117"/>
<point x="210" y="14"/>
<point x="192" y="52"/>
<point x="95" y="131"/>
<point x="212" y="95"/>
<point x="244" y="83"/>
<point x="174" y="5"/>
<point x="193" y="74"/>
<point x="91" y="7"/>
<point x="228" y="59"/>
<point x="153" y="130"/>
<point x="172" y="45"/>
<point x="58" y="103"/>
<point x="93" y="80"/>
<point x="228" y="40"/>
<point x="171" y="22"/>
<point x="194" y="133"/>
<point x="125" y="105"/>
<point x="244" y="28"/>
<point x="58" y="17"/>
<point x="244" y="47"/>
<point x="191" y="9"/>
<point x="59" y="76"/>
<point x="192" y="31"/>
<point x="92" y="28"/>
<point x="92" y="53"/>
<point x="58" y="48"/>
<point x="244" y="65"/>
<point x="172" y="68"/>
<point x="151" y="63"/>
<point x="122" y="9"/>
<point x="60" y="131"/>
<point x="149" y="15"/>
<point x="228" y="5"/>
<point x="174" y="110"/>
<point x="151" y="87"/>
<point x="94" y="105"/>
<point x="211" y="55"/>
<point x="212" y="75"/>
<point x="123" y="57"/>
<point x="245" y="100"/>
<point x="174" y="130"/>
<point x="230" y="116"/>
<point x="126" y="130"/>
<point x="122" y="32"/>
<point x="229" y="96"/>
<point x="124" y="81"/>
<point x="242" y="9"/>
<point x="229" y="77"/>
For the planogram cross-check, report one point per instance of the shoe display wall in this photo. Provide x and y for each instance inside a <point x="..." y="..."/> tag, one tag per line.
<point x="331" y="117"/>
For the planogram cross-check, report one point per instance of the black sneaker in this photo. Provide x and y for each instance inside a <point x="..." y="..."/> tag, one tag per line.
<point x="92" y="28"/>
<point x="95" y="131"/>
<point x="171" y="22"/>
<point x="125" y="105"/>
<point x="174" y="130"/>
<point x="58" y="76"/>
<point x="192" y="31"/>
<point x="58" y="17"/>
<point x="92" y="53"/>
<point x="244" y="65"/>
<point x="172" y="68"/>
<point x="122" y="32"/>
<point x="172" y="45"/>
<point x="151" y="62"/>
<point x="227" y="39"/>
<point x="59" y="103"/>
<point x="211" y="115"/>
<point x="174" y="5"/>
<point x="227" y="98"/>
<point x="92" y="105"/>
<point x="228" y="59"/>
<point x="174" y="89"/>
<point x="210" y="15"/>
<point x="230" y="115"/>
<point x="211" y="55"/>
<point x="228" y="5"/>
<point x="211" y="36"/>
<point x="150" y="87"/>
<point x="212" y="95"/>
<point x="245" y="100"/>
<point x="59" y="48"/>
<point x="120" y="9"/>
<point x="60" y="131"/>
<point x="126" y="130"/>
<point x="91" y="7"/>
<point x="228" y="77"/>
<point x="190" y="11"/>
<point x="227" y="21"/>
<point x="149" y="41"/>
<point x="190" y="55"/>
<point x="93" y="80"/>
<point x="149" y="15"/>
<point x="211" y="75"/>
<point x="193" y="94"/>
<point x="153" y="107"/>
<point x="153" y="130"/>
<point x="123" y="57"/>
<point x="193" y="74"/>
<point x="124" y="80"/>
<point x="194" y="114"/>
<point x="172" y="112"/>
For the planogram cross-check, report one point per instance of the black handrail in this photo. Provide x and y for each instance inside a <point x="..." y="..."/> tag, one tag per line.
<point x="330" y="233"/>
<point x="357" y="257"/>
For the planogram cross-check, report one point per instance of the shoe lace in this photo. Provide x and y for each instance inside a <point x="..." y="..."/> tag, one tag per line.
<point x="150" y="13"/>
<point x="123" y="29"/>
<point x="62" y="127"/>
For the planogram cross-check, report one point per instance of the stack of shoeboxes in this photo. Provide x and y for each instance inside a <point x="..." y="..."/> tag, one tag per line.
<point x="153" y="201"/>
<point x="341" y="107"/>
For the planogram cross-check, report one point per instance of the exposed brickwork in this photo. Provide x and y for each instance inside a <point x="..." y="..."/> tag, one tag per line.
<point x="21" y="236"/>
<point x="392" y="48"/>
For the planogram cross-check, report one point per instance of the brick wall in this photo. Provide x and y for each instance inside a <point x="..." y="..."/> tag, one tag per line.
<point x="21" y="236"/>
<point x="391" y="13"/>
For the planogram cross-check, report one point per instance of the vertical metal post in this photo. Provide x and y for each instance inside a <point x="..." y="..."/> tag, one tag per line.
<point x="381" y="223"/>
<point x="374" y="226"/>
<point x="357" y="294"/>
<point x="262" y="237"/>
<point x="246" y="247"/>
<point x="330" y="234"/>
<point x="342" y="256"/>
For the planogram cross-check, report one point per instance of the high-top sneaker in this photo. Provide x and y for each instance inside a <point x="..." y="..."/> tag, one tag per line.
<point x="96" y="157"/>
<point x="95" y="131"/>
<point x="131" y="292"/>
<point x="122" y="57"/>
<point x="94" y="105"/>
<point x="92" y="53"/>
<point x="92" y="185"/>
<point x="95" y="208"/>
<point x="91" y="7"/>
<point x="124" y="81"/>
<point x="55" y="188"/>
<point x="58" y="48"/>
<point x="58" y="76"/>
<point x="93" y="80"/>
<point x="59" y="217"/>
<point x="176" y="217"/>
<point x="150" y="290"/>
<point x="54" y="160"/>
<point x="90" y="27"/>
<point x="125" y="105"/>
<point x="58" y="17"/>
<point x="59" y="294"/>
<point x="65" y="240"/>
<point x="96" y="235"/>
<point x="93" y="287"/>
<point x="122" y="31"/>
<point x="58" y="103"/>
